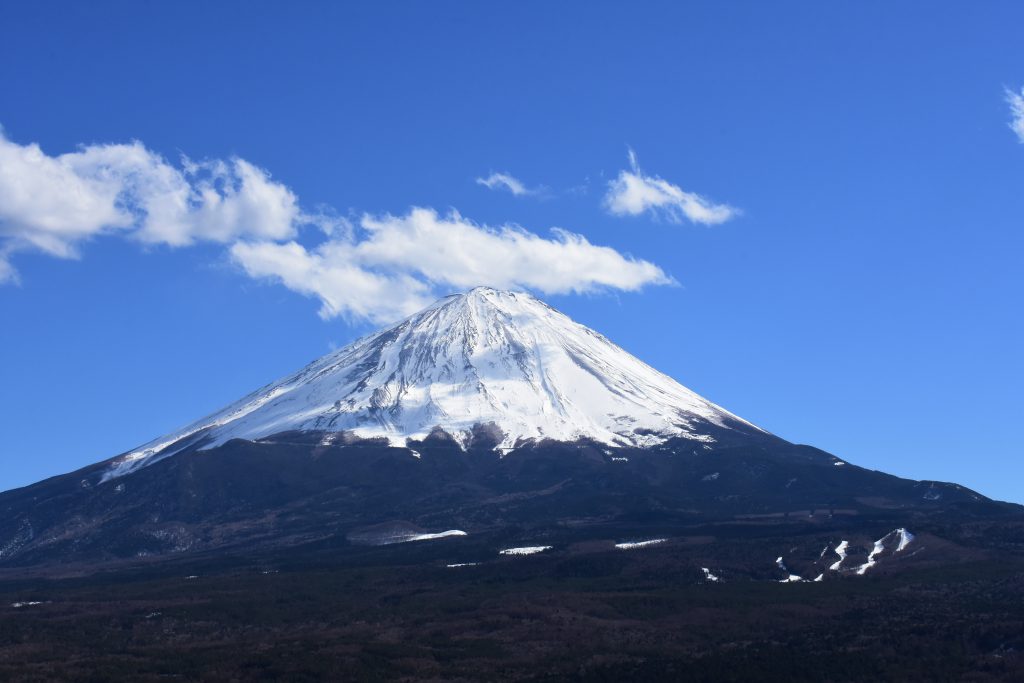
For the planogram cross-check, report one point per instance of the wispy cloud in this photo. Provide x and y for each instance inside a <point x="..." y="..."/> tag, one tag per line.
<point x="407" y="260"/>
<point x="7" y="272"/>
<point x="384" y="267"/>
<point x="633" y="193"/>
<point x="508" y="182"/>
<point x="1016" y="102"/>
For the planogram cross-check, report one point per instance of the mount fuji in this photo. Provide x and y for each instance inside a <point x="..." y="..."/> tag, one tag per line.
<point x="504" y="361"/>
<point x="487" y="418"/>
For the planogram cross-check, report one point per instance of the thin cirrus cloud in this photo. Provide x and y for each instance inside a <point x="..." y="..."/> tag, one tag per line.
<point x="385" y="267"/>
<point x="509" y="183"/>
<point x="1016" y="102"/>
<point x="633" y="193"/>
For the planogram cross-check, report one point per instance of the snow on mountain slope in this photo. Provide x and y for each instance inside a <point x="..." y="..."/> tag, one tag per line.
<point x="485" y="356"/>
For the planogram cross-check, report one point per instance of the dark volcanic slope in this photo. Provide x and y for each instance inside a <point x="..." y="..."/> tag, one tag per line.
<point x="580" y="612"/>
<point x="290" y="490"/>
<point x="255" y="561"/>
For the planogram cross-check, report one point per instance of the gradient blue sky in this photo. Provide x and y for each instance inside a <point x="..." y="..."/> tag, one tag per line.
<point x="867" y="299"/>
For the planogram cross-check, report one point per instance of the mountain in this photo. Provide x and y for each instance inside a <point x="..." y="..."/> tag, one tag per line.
<point x="490" y="420"/>
<point x="501" y="360"/>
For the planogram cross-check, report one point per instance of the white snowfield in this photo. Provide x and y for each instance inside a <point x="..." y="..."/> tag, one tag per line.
<point x="525" y="550"/>
<point x="408" y="536"/>
<point x="895" y="541"/>
<point x="841" y="552"/>
<point x="900" y="537"/>
<point x="431" y="537"/>
<point x="905" y="537"/>
<point x="630" y="545"/>
<point x="482" y="357"/>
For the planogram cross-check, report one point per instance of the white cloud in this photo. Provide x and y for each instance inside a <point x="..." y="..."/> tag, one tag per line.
<point x="50" y="203"/>
<point x="53" y="203"/>
<point x="633" y="193"/>
<point x="400" y="263"/>
<point x="1016" y="102"/>
<point x="455" y="251"/>
<point x="506" y="181"/>
<point x="216" y="201"/>
<point x="330" y="274"/>
<point x="386" y="268"/>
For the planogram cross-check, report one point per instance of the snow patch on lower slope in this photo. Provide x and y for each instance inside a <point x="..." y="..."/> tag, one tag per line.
<point x="879" y="547"/>
<point x="841" y="552"/>
<point x="525" y="550"/>
<point x="901" y="537"/>
<point x="708" y="576"/>
<point x="431" y="537"/>
<point x="790" y="578"/>
<point x="390" y="534"/>
<point x="630" y="545"/>
<point x="895" y="541"/>
<point x="905" y="538"/>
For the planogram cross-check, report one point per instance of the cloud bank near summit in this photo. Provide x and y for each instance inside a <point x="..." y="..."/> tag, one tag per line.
<point x="384" y="267"/>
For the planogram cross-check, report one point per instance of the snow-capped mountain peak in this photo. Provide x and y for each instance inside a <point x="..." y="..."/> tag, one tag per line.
<point x="482" y="357"/>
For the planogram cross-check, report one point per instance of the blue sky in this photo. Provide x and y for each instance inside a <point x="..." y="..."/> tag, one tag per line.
<point x="826" y="240"/>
